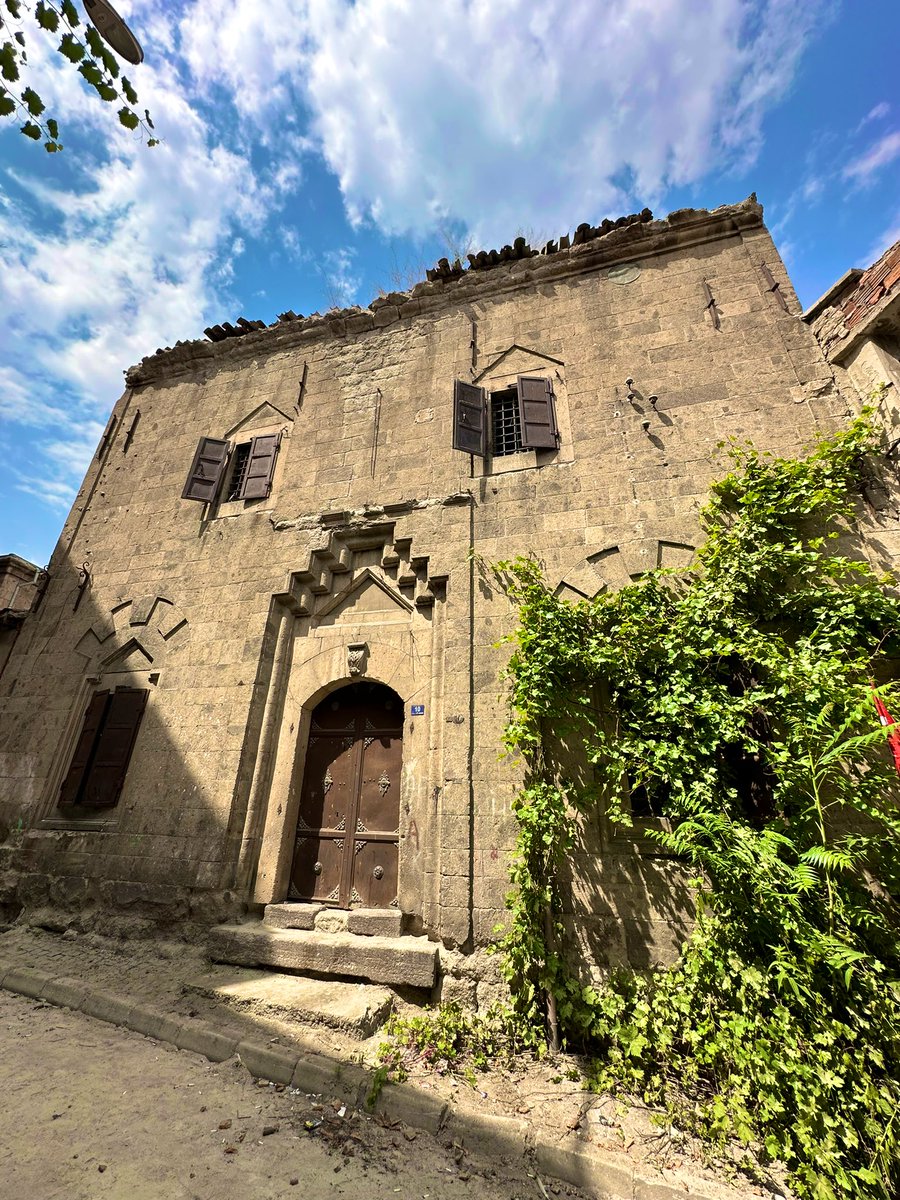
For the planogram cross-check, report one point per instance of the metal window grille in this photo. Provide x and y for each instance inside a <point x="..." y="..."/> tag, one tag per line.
<point x="238" y="471"/>
<point x="506" y="425"/>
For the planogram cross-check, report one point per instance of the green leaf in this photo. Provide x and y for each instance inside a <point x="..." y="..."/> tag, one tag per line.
<point x="91" y="73"/>
<point x="95" y="41"/>
<point x="70" y="12"/>
<point x="7" y="105"/>
<point x="71" y="48"/>
<point x="110" y="62"/>
<point x="9" y="66"/>
<point x="128" y="91"/>
<point x="52" y="147"/>
<point x="128" y="118"/>
<point x="14" y="7"/>
<point x="47" y="18"/>
<point x="33" y="102"/>
<point x="32" y="131"/>
<point x="53" y="128"/>
<point x="106" y="92"/>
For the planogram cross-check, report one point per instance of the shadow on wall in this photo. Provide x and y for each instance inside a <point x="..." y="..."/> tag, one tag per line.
<point x="157" y="846"/>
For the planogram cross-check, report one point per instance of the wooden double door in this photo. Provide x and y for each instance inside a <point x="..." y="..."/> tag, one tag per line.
<point x="347" y="843"/>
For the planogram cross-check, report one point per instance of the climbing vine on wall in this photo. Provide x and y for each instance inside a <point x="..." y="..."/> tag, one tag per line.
<point x="734" y="703"/>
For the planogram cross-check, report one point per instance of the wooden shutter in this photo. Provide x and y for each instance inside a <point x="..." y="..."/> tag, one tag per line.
<point x="206" y="470"/>
<point x="470" y="419"/>
<point x="84" y="750"/>
<point x="537" y="411"/>
<point x="260" y="467"/>
<point x="114" y="746"/>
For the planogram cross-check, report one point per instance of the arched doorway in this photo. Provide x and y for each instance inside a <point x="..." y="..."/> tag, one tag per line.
<point x="348" y="833"/>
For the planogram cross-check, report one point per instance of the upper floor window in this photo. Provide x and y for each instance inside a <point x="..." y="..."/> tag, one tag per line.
<point x="249" y="467"/>
<point x="507" y="421"/>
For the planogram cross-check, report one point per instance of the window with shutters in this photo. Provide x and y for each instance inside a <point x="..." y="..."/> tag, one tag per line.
<point x="508" y="421"/>
<point x="103" y="750"/>
<point x="230" y="473"/>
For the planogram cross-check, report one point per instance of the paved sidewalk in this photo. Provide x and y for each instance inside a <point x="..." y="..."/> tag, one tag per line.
<point x="536" y="1113"/>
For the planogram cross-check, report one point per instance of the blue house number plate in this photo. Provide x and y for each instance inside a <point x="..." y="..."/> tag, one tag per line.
<point x="417" y="710"/>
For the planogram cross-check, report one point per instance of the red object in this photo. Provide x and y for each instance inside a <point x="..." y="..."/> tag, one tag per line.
<point x="893" y="739"/>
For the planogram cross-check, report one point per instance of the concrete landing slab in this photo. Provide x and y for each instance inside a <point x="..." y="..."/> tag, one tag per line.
<point x="410" y="961"/>
<point x="357" y="1009"/>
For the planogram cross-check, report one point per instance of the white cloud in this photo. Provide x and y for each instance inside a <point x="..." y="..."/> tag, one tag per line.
<point x="885" y="240"/>
<point x="499" y="113"/>
<point x="341" y="283"/>
<point x="503" y="113"/>
<point x="875" y="114"/>
<point x="880" y="154"/>
<point x="133" y="252"/>
<point x="813" y="189"/>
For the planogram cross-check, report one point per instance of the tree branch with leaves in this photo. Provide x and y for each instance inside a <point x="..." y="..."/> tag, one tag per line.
<point x="82" y="47"/>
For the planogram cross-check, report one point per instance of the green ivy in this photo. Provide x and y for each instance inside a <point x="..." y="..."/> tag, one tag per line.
<point x="735" y="699"/>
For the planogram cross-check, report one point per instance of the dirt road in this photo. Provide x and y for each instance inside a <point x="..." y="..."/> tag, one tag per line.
<point x="92" y="1111"/>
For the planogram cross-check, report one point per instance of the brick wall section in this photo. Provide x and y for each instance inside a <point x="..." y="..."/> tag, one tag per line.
<point x="181" y="827"/>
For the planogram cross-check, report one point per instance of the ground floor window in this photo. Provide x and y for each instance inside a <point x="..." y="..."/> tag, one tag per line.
<point x="97" y="771"/>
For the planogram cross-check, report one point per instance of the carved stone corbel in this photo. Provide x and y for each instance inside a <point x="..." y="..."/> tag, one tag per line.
<point x="357" y="654"/>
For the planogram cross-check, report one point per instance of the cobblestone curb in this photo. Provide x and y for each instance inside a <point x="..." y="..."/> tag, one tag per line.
<point x="480" y="1133"/>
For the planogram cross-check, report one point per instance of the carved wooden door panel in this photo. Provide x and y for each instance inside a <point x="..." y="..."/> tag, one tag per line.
<point x="347" y="842"/>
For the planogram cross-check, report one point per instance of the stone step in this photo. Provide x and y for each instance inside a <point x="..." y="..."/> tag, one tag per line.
<point x="357" y="1009"/>
<point x="410" y="961"/>
<point x="368" y="922"/>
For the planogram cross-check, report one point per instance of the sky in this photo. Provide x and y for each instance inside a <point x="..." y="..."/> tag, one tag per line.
<point x="315" y="152"/>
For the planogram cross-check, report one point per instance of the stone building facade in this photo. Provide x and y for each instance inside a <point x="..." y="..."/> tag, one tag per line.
<point x="265" y="671"/>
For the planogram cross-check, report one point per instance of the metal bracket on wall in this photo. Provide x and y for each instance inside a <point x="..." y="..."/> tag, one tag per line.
<point x="83" y="584"/>
<point x="773" y="286"/>
<point x="711" y="305"/>
<point x="376" y="428"/>
<point x="106" y="440"/>
<point x="131" y="428"/>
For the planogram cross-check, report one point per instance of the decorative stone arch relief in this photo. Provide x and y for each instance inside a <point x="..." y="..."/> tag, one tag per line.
<point x="135" y="636"/>
<point x="614" y="567"/>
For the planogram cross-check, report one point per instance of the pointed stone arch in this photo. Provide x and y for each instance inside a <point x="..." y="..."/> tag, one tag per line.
<point x="264" y="415"/>
<point x="143" y="628"/>
<point x="614" y="567"/>
<point x="516" y="358"/>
